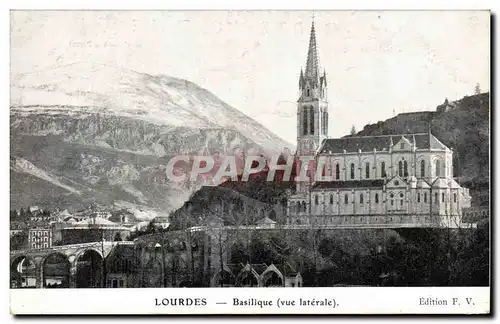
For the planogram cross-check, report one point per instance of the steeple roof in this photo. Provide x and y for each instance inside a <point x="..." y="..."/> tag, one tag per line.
<point x="312" y="65"/>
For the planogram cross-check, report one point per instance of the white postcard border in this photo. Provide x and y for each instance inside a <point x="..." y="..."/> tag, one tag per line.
<point x="191" y="301"/>
<point x="74" y="301"/>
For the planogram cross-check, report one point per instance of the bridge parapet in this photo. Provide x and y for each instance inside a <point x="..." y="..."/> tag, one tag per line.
<point x="71" y="249"/>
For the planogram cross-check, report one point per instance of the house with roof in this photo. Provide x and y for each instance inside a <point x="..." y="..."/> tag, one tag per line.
<point x="396" y="179"/>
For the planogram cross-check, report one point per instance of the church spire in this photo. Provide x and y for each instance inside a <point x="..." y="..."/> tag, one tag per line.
<point x="312" y="65"/>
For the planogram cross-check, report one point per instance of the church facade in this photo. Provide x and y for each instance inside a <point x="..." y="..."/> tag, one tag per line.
<point x="400" y="179"/>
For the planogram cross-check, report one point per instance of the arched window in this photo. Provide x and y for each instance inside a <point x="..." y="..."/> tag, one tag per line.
<point x="455" y="197"/>
<point x="311" y="121"/>
<point x="438" y="168"/>
<point x="316" y="199"/>
<point x="402" y="200"/>
<point x="346" y="199"/>
<point x="400" y="168"/>
<point x="325" y="118"/>
<point x="352" y="170"/>
<point x="361" y="199"/>
<point x="406" y="168"/>
<point x="392" y="199"/>
<point x="422" y="168"/>
<point x="382" y="168"/>
<point x="304" y="121"/>
<point x="308" y="92"/>
<point x="331" y="199"/>
<point x="442" y="197"/>
<point x="418" y="197"/>
<point x="436" y="197"/>
<point x="367" y="170"/>
<point x="337" y="171"/>
<point x="376" y="198"/>
<point x="425" y="197"/>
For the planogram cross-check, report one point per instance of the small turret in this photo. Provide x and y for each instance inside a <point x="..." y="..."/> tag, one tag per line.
<point x="301" y="80"/>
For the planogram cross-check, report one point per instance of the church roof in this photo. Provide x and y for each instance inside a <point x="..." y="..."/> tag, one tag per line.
<point x="380" y="143"/>
<point x="376" y="183"/>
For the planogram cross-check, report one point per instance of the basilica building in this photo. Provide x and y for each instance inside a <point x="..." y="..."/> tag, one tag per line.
<point x="401" y="179"/>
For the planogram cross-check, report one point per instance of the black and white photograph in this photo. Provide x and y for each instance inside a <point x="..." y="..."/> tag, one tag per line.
<point x="344" y="150"/>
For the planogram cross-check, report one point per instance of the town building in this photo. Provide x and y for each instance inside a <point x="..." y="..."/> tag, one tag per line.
<point x="93" y="230"/>
<point x="39" y="238"/>
<point x="161" y="222"/>
<point x="17" y="227"/>
<point x="389" y="179"/>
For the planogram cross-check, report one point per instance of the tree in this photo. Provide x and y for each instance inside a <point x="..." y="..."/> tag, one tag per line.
<point x="222" y="229"/>
<point x="222" y="238"/>
<point x="353" y="130"/>
<point x="19" y="241"/>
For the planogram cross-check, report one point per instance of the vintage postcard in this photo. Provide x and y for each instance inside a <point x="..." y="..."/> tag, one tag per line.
<point x="270" y="162"/>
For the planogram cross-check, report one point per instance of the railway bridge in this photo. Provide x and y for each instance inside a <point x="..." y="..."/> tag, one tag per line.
<point x="66" y="266"/>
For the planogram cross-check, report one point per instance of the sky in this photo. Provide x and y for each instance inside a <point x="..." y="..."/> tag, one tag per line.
<point x="378" y="63"/>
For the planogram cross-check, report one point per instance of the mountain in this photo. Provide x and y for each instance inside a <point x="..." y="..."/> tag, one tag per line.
<point x="90" y="133"/>
<point x="462" y="125"/>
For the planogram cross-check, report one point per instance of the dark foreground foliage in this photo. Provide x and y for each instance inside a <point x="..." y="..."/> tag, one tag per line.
<point x="424" y="257"/>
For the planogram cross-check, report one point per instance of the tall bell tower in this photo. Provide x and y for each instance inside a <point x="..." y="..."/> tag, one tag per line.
<point x="312" y="105"/>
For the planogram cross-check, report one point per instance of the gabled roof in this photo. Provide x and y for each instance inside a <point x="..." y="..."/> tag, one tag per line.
<point x="454" y="185"/>
<point x="353" y="144"/>
<point x="436" y="144"/>
<point x="440" y="183"/>
<point x="396" y="182"/>
<point x="272" y="268"/>
<point x="421" y="183"/>
<point x="407" y="141"/>
<point x="376" y="183"/>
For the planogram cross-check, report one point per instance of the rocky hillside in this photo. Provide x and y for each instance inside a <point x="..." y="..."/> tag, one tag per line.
<point x="463" y="126"/>
<point x="89" y="133"/>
